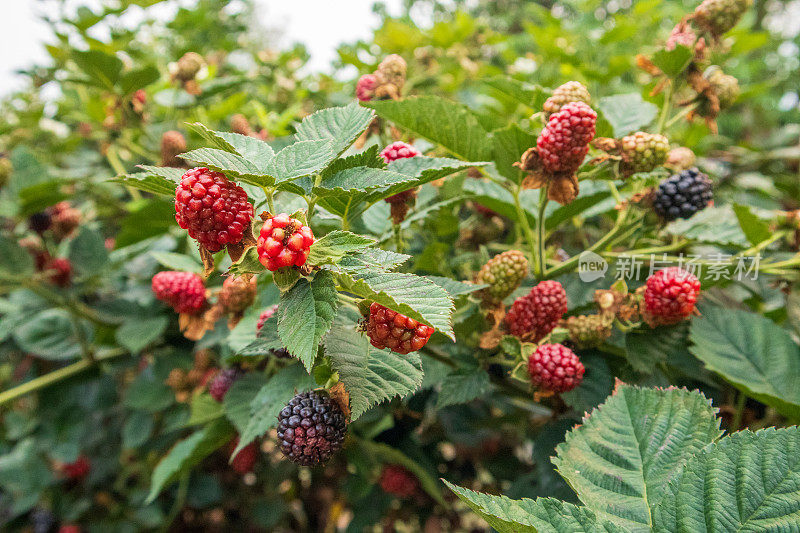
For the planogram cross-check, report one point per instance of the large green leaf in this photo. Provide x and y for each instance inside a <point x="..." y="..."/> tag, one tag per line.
<point x="752" y="352"/>
<point x="87" y="252"/>
<point x="544" y="515"/>
<point x="300" y="159"/>
<point x="232" y="165"/>
<point x="305" y="315"/>
<point x="622" y="457"/>
<point x="447" y="123"/>
<point x="187" y="454"/>
<point x="349" y="181"/>
<point x="645" y="349"/>
<point x="331" y="248"/>
<point x="508" y="145"/>
<point x="746" y="482"/>
<point x="463" y="386"/>
<point x="370" y="375"/>
<point x="525" y="93"/>
<point x="240" y="396"/>
<point x="51" y="334"/>
<point x="339" y="125"/>
<point x="714" y="225"/>
<point x="14" y="259"/>
<point x="366" y="275"/>
<point x="254" y="150"/>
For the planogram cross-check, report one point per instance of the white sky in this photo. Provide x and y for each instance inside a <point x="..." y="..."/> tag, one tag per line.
<point x="320" y="24"/>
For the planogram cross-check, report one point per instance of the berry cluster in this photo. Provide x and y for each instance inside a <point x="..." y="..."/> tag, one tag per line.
<point x="572" y="91"/>
<point x="683" y="195"/>
<point x="284" y="242"/>
<point x="78" y="469"/>
<point x="245" y="460"/>
<point x="720" y="16"/>
<point x="398" y="481"/>
<point x="587" y="331"/>
<point x="237" y="293"/>
<point x="222" y="382"/>
<point x="365" y="87"/>
<point x="642" y="152"/>
<point x="395" y="331"/>
<point x="555" y="368"/>
<point x="537" y="313"/>
<point x="184" y="291"/>
<point x="386" y="82"/>
<point x="212" y="208"/>
<point x="564" y="141"/>
<point x="503" y="273"/>
<point x="64" y="219"/>
<point x="670" y="296"/>
<point x="311" y="428"/>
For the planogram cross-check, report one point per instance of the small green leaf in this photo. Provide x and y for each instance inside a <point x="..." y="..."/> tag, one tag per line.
<point x="627" y="112"/>
<point x="714" y="225"/>
<point x="463" y="386"/>
<point x="136" y="333"/>
<point x="305" y="314"/>
<point x="138" y="79"/>
<point x="247" y="264"/>
<point x="331" y="248"/>
<point x="508" y="145"/>
<point x="87" y="252"/>
<point x="646" y="349"/>
<point x="673" y="62"/>
<point x="203" y="409"/>
<point x="179" y="262"/>
<point x="258" y="152"/>
<point x="233" y="166"/>
<point x="456" y="288"/>
<point x="755" y="229"/>
<point x="187" y="454"/>
<point x="361" y="179"/>
<point x="147" y="182"/>
<point x="104" y="68"/>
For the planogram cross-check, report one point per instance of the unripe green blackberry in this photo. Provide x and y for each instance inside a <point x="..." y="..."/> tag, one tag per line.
<point x="503" y="273"/>
<point x="725" y="86"/>
<point x="720" y="16"/>
<point x="642" y="152"/>
<point x="392" y="70"/>
<point x="680" y="159"/>
<point x="188" y="66"/>
<point x="588" y="331"/>
<point x="572" y="91"/>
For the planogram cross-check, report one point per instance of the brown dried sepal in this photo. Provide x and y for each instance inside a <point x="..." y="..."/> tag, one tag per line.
<point x="339" y="394"/>
<point x="562" y="187"/>
<point x="494" y="317"/>
<point x="707" y="95"/>
<point x="195" y="326"/>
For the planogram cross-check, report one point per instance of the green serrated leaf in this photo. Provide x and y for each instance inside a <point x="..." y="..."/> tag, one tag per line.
<point x="714" y="225"/>
<point x="232" y="165"/>
<point x="411" y="295"/>
<point x="361" y="180"/>
<point x="544" y="515"/>
<point x="447" y="123"/>
<point x="247" y="264"/>
<point x="50" y="334"/>
<point x="188" y="453"/>
<point x="300" y="159"/>
<point x="147" y="182"/>
<point x="528" y="94"/>
<point x="180" y="262"/>
<point x="752" y="352"/>
<point x="627" y="112"/>
<point x="463" y="386"/>
<point x="369" y="375"/>
<point x="673" y="62"/>
<point x="621" y="459"/>
<point x="508" y="145"/>
<point x="254" y="150"/>
<point x="331" y="248"/>
<point x="646" y="349"/>
<point x="305" y="314"/>
<point x="203" y="409"/>
<point x="340" y="126"/>
<point x="755" y="229"/>
<point x="745" y="482"/>
<point x="456" y="288"/>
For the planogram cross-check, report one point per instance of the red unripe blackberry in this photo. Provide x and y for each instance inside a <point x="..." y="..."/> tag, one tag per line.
<point x="64" y="219"/>
<point x="556" y="368"/>
<point x="78" y="469"/>
<point x="185" y="292"/>
<point x="69" y="528"/>
<point x="398" y="481"/>
<point x="395" y="331"/>
<point x="237" y="293"/>
<point x="284" y="242"/>
<point x="537" y="313"/>
<point x="212" y="208"/>
<point x="222" y="382"/>
<point x="670" y="296"/>
<point x="60" y="271"/>
<point x="265" y="315"/>
<point x="564" y="141"/>
<point x="311" y="428"/>
<point x="393" y="152"/>
<point x="365" y="87"/>
<point x="245" y="460"/>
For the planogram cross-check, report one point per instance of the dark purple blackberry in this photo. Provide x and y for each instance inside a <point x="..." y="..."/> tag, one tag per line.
<point x="40" y="222"/>
<point x="220" y="384"/>
<point x="683" y="195"/>
<point x="43" y="521"/>
<point x="311" y="428"/>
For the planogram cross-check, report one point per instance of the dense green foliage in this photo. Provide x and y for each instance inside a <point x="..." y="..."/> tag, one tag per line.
<point x="93" y="367"/>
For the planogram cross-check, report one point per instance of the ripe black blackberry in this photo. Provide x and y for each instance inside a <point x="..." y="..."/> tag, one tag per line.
<point x="683" y="195"/>
<point x="311" y="428"/>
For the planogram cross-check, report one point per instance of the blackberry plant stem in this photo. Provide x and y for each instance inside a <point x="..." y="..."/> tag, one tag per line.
<point x="523" y="221"/>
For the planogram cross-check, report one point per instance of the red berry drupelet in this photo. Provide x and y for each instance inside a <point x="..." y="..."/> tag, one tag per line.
<point x="537" y="313"/>
<point x="184" y="291"/>
<point x="60" y="271"/>
<point x="78" y="469"/>
<point x="311" y="428"/>
<point x="398" y="150"/>
<point x="670" y="296"/>
<point x="365" y="87"/>
<point x="245" y="460"/>
<point x="212" y="208"/>
<point x="284" y="242"/>
<point x="222" y="382"/>
<point x="564" y="141"/>
<point x="397" y="332"/>
<point x="398" y="481"/>
<point x="265" y="315"/>
<point x="555" y="368"/>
